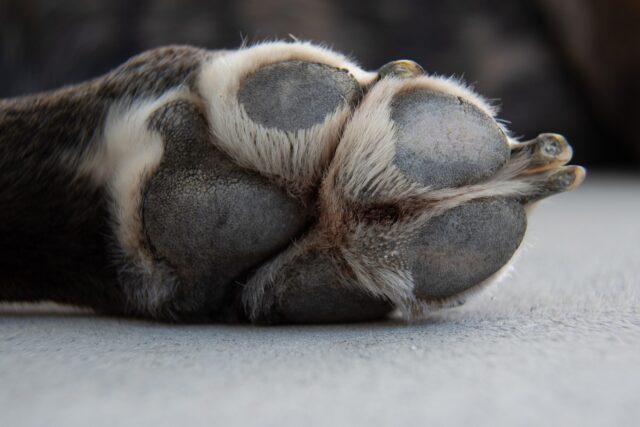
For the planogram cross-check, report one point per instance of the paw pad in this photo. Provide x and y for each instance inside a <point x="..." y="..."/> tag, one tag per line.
<point x="463" y="247"/>
<point x="444" y="141"/>
<point x="295" y="95"/>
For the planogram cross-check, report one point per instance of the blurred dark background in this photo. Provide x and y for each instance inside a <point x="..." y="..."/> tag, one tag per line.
<point x="567" y="66"/>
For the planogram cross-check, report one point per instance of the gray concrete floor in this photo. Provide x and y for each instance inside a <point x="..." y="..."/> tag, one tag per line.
<point x="556" y="343"/>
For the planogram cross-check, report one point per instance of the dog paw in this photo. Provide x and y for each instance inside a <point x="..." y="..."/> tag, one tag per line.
<point x="297" y="187"/>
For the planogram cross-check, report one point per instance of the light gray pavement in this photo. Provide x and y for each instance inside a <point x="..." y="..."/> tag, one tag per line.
<point x="557" y="343"/>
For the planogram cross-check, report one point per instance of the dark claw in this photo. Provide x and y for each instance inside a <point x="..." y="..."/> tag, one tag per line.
<point x="546" y="151"/>
<point x="563" y="179"/>
<point x="403" y="69"/>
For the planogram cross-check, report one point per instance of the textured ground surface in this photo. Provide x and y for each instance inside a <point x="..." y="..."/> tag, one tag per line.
<point x="558" y="343"/>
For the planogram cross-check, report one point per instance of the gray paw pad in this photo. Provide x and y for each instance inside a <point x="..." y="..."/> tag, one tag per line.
<point x="208" y="218"/>
<point x="314" y="290"/>
<point x="465" y="246"/>
<point x="295" y="95"/>
<point x="444" y="141"/>
<point x="214" y="222"/>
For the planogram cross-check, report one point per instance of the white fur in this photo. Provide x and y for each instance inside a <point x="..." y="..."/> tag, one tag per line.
<point x="296" y="159"/>
<point x="123" y="161"/>
<point x="363" y="162"/>
<point x="254" y="294"/>
<point x="387" y="282"/>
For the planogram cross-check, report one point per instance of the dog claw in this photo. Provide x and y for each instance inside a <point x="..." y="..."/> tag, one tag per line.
<point x="564" y="179"/>
<point x="547" y="151"/>
<point x="403" y="69"/>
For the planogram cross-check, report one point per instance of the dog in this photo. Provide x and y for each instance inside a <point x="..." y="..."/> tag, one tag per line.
<point x="276" y="183"/>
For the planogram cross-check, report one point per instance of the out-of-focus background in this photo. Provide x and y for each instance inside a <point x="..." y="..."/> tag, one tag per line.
<point x="567" y="66"/>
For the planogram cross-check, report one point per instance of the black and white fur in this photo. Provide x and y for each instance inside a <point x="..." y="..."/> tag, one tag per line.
<point x="274" y="183"/>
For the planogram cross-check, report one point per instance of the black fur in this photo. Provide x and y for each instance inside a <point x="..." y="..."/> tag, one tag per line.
<point x="55" y="236"/>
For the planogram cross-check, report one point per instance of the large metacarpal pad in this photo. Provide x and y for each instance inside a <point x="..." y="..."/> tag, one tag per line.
<point x="208" y="218"/>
